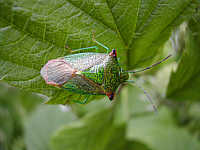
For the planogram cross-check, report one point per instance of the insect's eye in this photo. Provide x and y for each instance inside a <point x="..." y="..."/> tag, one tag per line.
<point x="113" y="53"/>
<point x="111" y="96"/>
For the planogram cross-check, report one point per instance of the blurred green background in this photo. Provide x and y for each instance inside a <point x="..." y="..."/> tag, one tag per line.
<point x="33" y="32"/>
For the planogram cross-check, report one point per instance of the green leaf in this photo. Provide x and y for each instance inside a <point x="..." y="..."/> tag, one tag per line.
<point x="40" y="126"/>
<point x="160" y="133"/>
<point x="105" y="128"/>
<point x="10" y="116"/>
<point x="185" y="82"/>
<point x="146" y="26"/>
<point x="84" y="134"/>
<point x="33" y="32"/>
<point x="132" y="102"/>
<point x="94" y="132"/>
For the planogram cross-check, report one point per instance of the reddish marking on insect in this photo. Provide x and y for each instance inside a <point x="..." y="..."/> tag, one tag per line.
<point x="53" y="84"/>
<point x="110" y="95"/>
<point x="113" y="53"/>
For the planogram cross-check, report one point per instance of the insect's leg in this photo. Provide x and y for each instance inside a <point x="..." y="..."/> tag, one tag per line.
<point x="108" y="50"/>
<point x="93" y="39"/>
<point x="86" y="49"/>
<point x="1" y="78"/>
<point x="120" y="88"/>
<point x="130" y="81"/>
<point x="86" y="99"/>
<point x="84" y="102"/>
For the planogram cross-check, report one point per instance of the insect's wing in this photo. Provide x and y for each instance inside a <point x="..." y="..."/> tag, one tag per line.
<point x="83" y="61"/>
<point x="83" y="85"/>
<point x="57" y="71"/>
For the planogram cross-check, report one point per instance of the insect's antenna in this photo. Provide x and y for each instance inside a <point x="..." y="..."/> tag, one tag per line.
<point x="147" y="68"/>
<point x="147" y="95"/>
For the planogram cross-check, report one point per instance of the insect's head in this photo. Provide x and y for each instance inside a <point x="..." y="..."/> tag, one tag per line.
<point x="110" y="95"/>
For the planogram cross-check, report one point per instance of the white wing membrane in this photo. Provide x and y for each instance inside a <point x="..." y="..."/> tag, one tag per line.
<point x="83" y="61"/>
<point x="57" y="72"/>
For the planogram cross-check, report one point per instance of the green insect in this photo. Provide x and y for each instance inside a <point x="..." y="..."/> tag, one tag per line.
<point x="88" y="73"/>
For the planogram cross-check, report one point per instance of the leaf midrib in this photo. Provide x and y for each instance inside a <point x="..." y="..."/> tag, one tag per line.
<point x="163" y="30"/>
<point x="41" y="38"/>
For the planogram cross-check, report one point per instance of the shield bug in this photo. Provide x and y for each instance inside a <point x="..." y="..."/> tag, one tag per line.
<point x="88" y="73"/>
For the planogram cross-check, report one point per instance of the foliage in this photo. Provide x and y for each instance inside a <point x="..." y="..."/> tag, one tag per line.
<point x="35" y="31"/>
<point x="184" y="83"/>
<point x="51" y="118"/>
